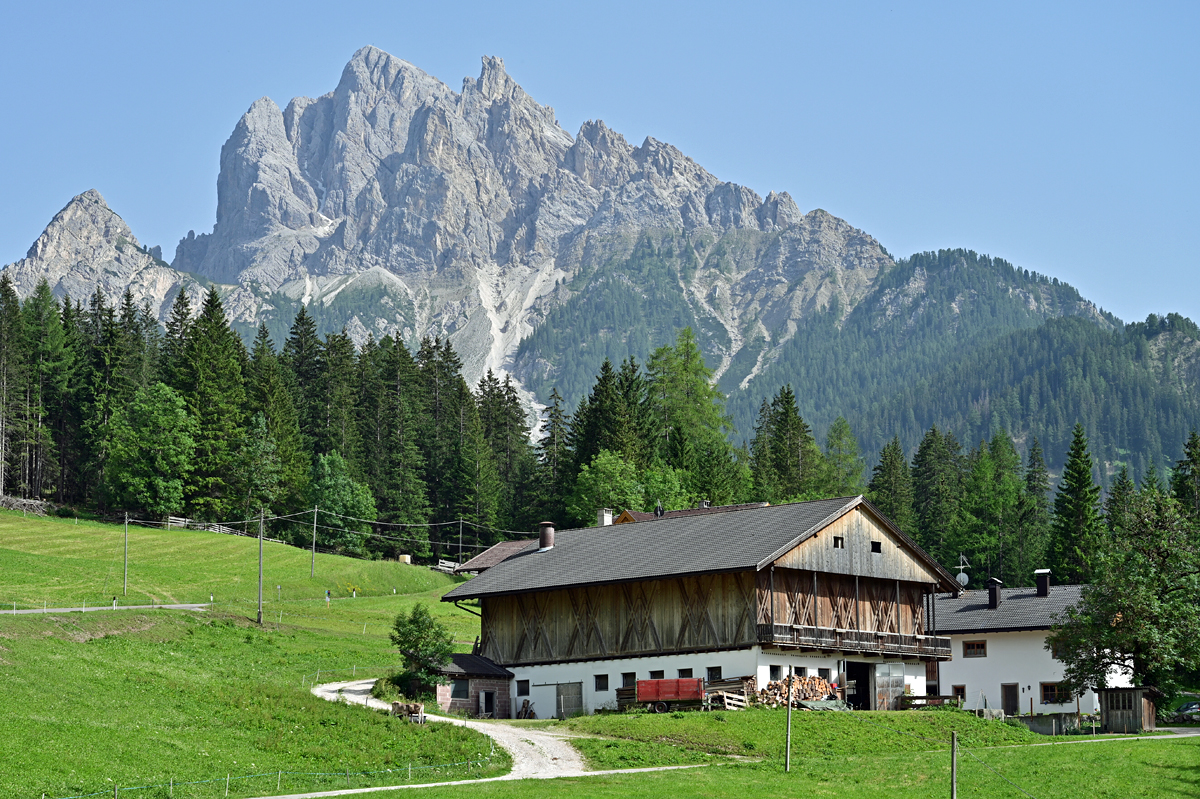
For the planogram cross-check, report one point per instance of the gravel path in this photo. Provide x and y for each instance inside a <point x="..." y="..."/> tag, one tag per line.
<point x="536" y="754"/>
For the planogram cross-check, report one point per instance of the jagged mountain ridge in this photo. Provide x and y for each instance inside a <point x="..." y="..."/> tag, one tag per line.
<point x="464" y="214"/>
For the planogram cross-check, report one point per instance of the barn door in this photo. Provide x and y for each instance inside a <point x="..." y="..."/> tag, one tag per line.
<point x="487" y="704"/>
<point x="889" y="686"/>
<point x="569" y="699"/>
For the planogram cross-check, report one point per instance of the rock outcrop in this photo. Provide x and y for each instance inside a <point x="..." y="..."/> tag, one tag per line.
<point x="88" y="246"/>
<point x="458" y="213"/>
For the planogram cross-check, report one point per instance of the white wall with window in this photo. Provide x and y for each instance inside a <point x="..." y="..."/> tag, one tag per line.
<point x="1009" y="670"/>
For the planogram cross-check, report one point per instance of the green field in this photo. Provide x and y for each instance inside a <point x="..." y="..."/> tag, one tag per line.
<point x="145" y="698"/>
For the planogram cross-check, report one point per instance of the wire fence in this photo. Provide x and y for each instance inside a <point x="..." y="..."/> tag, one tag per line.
<point x="291" y="781"/>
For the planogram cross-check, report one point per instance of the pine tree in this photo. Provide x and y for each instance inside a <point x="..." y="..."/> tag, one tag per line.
<point x="1033" y="517"/>
<point x="67" y="420"/>
<point x="267" y="394"/>
<point x="49" y="368"/>
<point x="338" y="430"/>
<point x="1117" y="503"/>
<point x="1076" y="514"/>
<point x="301" y="358"/>
<point x="402" y="496"/>
<point x="891" y="488"/>
<point x="843" y="465"/>
<point x="556" y="475"/>
<point x="215" y="393"/>
<point x="602" y="422"/>
<point x="1185" y="479"/>
<point x="936" y="494"/>
<point x="173" y="361"/>
<point x="12" y="366"/>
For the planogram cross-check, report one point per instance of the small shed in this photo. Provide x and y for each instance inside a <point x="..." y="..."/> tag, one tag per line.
<point x="475" y="686"/>
<point x="1127" y="710"/>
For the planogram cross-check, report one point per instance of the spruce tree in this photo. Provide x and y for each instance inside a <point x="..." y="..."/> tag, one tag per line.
<point x="67" y="421"/>
<point x="173" y="361"/>
<point x="1117" y="503"/>
<point x="301" y="357"/>
<point x="12" y="367"/>
<point x="267" y="394"/>
<point x="49" y="369"/>
<point x="1033" y="517"/>
<point x="215" y="394"/>
<point x="891" y="488"/>
<point x="1185" y="479"/>
<point x="556" y="476"/>
<point x="1076" y="519"/>
<point x="937" y="483"/>
<point x="843" y="465"/>
<point x="337" y="400"/>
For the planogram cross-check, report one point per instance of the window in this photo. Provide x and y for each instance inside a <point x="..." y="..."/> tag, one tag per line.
<point x="685" y="674"/>
<point x="877" y="546"/>
<point x="974" y="649"/>
<point x="629" y="679"/>
<point x="714" y="673"/>
<point x="776" y="673"/>
<point x="522" y="687"/>
<point x="959" y="692"/>
<point x="656" y="675"/>
<point x="839" y="542"/>
<point x="1054" y="693"/>
<point x="601" y="682"/>
<point x="1056" y="653"/>
<point x="460" y="689"/>
<point x="802" y="671"/>
<point x="823" y="674"/>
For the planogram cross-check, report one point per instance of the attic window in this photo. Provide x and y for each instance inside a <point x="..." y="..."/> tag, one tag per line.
<point x="839" y="542"/>
<point x="877" y="546"/>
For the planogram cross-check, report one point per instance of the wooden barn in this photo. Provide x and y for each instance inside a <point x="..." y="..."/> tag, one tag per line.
<point x="829" y="587"/>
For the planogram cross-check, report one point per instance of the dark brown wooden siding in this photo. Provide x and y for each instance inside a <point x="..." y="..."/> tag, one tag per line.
<point x="841" y="602"/>
<point x="683" y="614"/>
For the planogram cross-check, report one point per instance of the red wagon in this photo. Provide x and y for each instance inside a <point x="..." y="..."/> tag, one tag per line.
<point x="663" y="695"/>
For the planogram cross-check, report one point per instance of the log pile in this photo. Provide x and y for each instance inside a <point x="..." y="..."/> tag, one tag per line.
<point x="803" y="689"/>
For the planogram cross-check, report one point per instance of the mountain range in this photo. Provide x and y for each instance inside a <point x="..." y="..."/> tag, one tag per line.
<point x="394" y="205"/>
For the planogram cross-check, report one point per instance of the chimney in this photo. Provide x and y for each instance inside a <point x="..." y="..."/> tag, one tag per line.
<point x="1043" y="581"/>
<point x="604" y="517"/>
<point x="994" y="598"/>
<point x="546" y="536"/>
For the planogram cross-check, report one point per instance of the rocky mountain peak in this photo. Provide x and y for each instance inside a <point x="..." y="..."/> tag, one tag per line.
<point x="87" y="246"/>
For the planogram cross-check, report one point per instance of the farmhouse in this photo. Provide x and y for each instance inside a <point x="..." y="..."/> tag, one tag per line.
<point x="999" y="657"/>
<point x="829" y="587"/>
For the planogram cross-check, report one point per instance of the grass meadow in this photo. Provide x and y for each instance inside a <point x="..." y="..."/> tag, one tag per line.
<point x="131" y="698"/>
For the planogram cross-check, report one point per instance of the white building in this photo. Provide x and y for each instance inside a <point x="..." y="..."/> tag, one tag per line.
<point x="829" y="587"/>
<point x="998" y="649"/>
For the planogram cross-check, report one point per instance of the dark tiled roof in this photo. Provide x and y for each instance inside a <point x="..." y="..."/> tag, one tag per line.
<point x="648" y="516"/>
<point x="463" y="665"/>
<point x="1020" y="609"/>
<point x="709" y="543"/>
<point x="490" y="557"/>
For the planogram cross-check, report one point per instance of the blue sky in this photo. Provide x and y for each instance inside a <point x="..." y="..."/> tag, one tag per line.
<point x="1060" y="137"/>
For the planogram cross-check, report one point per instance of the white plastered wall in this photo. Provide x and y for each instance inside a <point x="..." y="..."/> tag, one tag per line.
<point x="1017" y="657"/>
<point x="544" y="679"/>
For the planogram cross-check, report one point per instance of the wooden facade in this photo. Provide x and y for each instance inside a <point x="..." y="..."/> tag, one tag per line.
<point x="850" y="597"/>
<point x="682" y="614"/>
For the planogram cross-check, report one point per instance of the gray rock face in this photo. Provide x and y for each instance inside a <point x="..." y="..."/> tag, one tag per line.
<point x="458" y="214"/>
<point x="87" y="246"/>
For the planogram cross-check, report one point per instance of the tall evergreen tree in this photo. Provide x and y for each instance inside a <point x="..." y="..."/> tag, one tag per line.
<point x="843" y="465"/>
<point x="1033" y="517"/>
<point x="1185" y="479"/>
<point x="556" y="475"/>
<point x="937" y="482"/>
<point x="215" y="393"/>
<point x="12" y="367"/>
<point x="1117" y="502"/>
<point x="1076" y="514"/>
<point x="173" y="360"/>
<point x="602" y="421"/>
<point x="891" y="488"/>
<point x="338" y="427"/>
<point x="48" y="370"/>
<point x="301" y="358"/>
<point x="267" y="394"/>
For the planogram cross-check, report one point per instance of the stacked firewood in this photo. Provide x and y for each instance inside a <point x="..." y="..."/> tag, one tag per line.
<point x="803" y="689"/>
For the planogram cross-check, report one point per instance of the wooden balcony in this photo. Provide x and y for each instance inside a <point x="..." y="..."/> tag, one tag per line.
<point x="828" y="639"/>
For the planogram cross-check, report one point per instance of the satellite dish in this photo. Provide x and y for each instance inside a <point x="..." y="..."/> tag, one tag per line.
<point x="963" y="565"/>
<point x="963" y="579"/>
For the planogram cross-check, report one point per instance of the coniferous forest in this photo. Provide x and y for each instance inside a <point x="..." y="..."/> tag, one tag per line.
<point x="102" y="409"/>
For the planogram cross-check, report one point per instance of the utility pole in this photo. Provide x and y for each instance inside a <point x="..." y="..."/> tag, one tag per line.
<point x="954" y="765"/>
<point x="460" y="540"/>
<point x="312" y="570"/>
<point x="260" y="539"/>
<point x="125" y="590"/>
<point x="788" y="758"/>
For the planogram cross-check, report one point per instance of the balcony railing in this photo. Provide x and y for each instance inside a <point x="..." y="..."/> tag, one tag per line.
<point x="866" y="642"/>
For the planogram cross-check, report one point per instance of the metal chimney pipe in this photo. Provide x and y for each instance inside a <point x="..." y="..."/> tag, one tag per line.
<point x="546" y="536"/>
